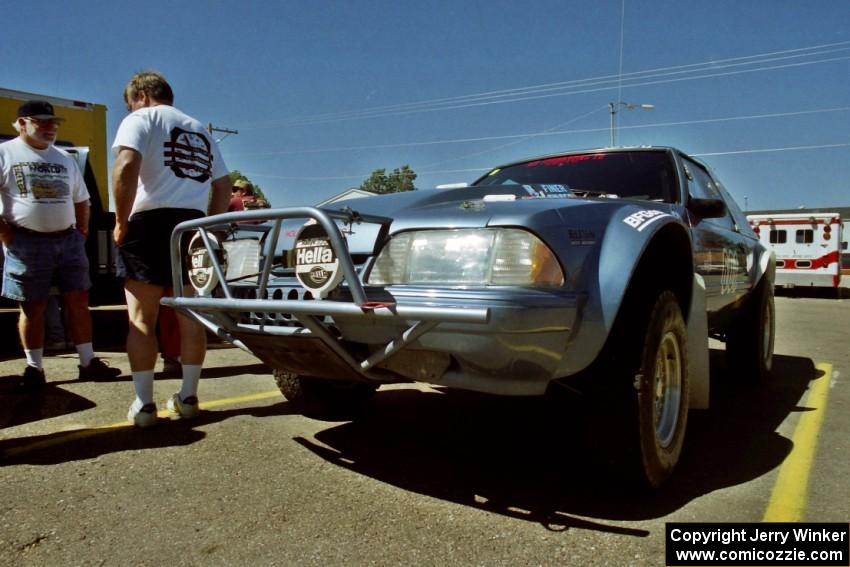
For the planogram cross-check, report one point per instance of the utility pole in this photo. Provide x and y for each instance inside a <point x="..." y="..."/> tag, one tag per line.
<point x="225" y="131"/>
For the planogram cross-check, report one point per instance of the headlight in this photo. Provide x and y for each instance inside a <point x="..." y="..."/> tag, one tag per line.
<point x="475" y="257"/>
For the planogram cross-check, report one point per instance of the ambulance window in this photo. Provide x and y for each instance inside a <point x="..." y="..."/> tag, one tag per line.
<point x="805" y="236"/>
<point x="844" y="245"/>
<point x="778" y="237"/>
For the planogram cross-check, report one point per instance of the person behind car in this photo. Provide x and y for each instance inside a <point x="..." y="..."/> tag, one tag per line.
<point x="44" y="224"/>
<point x="165" y="164"/>
<point x="236" y="200"/>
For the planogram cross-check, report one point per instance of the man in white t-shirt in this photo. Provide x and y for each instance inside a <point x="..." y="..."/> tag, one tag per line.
<point x="44" y="223"/>
<point x="165" y="163"/>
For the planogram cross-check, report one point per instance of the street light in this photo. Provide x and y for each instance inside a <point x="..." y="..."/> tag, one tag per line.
<point x="615" y="108"/>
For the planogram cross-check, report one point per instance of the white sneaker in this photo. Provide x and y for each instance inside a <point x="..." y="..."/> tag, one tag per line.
<point x="186" y="409"/>
<point x="142" y="416"/>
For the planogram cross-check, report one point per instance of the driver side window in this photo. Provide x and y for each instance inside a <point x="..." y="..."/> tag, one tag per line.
<point x="702" y="186"/>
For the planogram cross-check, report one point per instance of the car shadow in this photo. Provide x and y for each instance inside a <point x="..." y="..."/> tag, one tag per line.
<point x="524" y="457"/>
<point x="813" y="292"/>
<point x="84" y="444"/>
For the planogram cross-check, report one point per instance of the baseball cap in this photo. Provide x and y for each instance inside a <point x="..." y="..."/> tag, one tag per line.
<point x="38" y="109"/>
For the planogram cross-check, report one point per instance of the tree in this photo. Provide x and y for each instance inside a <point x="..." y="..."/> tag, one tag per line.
<point x="236" y="175"/>
<point x="401" y="179"/>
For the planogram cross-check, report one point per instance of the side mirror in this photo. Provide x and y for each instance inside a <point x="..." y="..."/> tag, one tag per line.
<point x="707" y="208"/>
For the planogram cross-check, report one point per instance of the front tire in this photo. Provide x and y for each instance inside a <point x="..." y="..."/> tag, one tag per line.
<point x="663" y="387"/>
<point x="640" y="393"/>
<point x="323" y="397"/>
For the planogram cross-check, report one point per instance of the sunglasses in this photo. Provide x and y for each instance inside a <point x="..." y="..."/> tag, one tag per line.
<point x="43" y="121"/>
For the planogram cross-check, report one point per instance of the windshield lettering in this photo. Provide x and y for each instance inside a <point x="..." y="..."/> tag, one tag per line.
<point x="565" y="160"/>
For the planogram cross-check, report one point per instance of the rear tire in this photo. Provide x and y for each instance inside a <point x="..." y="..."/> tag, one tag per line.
<point x="749" y="343"/>
<point x="323" y="397"/>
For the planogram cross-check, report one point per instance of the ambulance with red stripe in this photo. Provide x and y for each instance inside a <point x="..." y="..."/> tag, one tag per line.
<point x="807" y="246"/>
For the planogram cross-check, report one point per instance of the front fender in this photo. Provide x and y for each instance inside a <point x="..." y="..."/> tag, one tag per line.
<point x="654" y="241"/>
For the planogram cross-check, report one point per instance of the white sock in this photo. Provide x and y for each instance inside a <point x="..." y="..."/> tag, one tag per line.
<point x="191" y="377"/>
<point x="143" y="384"/>
<point x="34" y="357"/>
<point x="86" y="352"/>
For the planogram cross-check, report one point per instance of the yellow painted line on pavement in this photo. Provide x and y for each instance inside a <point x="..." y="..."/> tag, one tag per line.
<point x="66" y="436"/>
<point x="788" y="500"/>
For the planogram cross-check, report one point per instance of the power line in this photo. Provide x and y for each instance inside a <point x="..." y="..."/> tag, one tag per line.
<point x="549" y="132"/>
<point x="766" y="150"/>
<point x="620" y="69"/>
<point x="515" y="142"/>
<point x="519" y="94"/>
<point x="487" y="168"/>
<point x="749" y="59"/>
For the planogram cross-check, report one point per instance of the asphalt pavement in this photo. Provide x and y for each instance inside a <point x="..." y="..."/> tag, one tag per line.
<point x="425" y="476"/>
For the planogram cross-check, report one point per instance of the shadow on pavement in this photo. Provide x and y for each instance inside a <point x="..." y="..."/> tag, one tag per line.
<point x="53" y="401"/>
<point x="50" y="401"/>
<point x="83" y="444"/>
<point x="814" y="292"/>
<point x="524" y="457"/>
<point x="519" y="457"/>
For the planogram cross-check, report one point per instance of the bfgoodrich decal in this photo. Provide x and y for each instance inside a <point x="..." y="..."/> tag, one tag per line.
<point x="642" y="219"/>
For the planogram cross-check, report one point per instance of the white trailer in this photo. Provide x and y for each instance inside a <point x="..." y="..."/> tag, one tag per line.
<point x="808" y="246"/>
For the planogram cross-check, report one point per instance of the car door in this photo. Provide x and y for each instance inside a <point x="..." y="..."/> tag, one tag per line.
<point x="720" y="250"/>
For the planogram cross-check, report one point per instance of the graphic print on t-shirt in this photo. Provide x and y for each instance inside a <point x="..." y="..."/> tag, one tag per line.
<point x="188" y="155"/>
<point x="43" y="180"/>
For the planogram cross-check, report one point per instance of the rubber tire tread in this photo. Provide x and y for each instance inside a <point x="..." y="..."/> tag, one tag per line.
<point x="744" y="347"/>
<point x="622" y="431"/>
<point x="323" y="397"/>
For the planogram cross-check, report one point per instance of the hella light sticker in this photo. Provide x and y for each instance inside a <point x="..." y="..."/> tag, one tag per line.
<point x="642" y="219"/>
<point x="316" y="264"/>
<point x="202" y="274"/>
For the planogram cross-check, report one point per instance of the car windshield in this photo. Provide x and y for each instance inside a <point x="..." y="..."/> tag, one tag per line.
<point x="630" y="174"/>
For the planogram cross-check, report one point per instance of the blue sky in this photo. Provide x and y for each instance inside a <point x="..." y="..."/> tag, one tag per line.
<point x="323" y="93"/>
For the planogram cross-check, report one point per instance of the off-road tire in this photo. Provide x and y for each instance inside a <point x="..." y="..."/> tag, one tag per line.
<point x="662" y="390"/>
<point x="749" y="342"/>
<point x="322" y="397"/>
<point x="640" y="397"/>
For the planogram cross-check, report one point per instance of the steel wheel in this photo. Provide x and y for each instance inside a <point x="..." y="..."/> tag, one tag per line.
<point x="668" y="389"/>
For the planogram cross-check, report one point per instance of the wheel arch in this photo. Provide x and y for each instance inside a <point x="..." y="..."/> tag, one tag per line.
<point x="669" y="255"/>
<point x="666" y="262"/>
<point x="664" y="259"/>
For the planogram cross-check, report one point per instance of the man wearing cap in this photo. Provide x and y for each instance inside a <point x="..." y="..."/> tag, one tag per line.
<point x="165" y="163"/>
<point x="43" y="227"/>
<point x="236" y="201"/>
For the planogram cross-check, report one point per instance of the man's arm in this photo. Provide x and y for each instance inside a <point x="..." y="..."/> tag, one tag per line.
<point x="125" y="180"/>
<point x="220" y="199"/>
<point x="82" y="212"/>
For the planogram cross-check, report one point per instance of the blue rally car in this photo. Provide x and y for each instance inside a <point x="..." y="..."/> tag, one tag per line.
<point x="602" y="271"/>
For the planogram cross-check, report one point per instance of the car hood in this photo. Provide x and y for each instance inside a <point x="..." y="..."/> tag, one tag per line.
<point x="526" y="206"/>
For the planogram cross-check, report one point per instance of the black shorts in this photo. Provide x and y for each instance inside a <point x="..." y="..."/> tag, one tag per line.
<point x="145" y="254"/>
